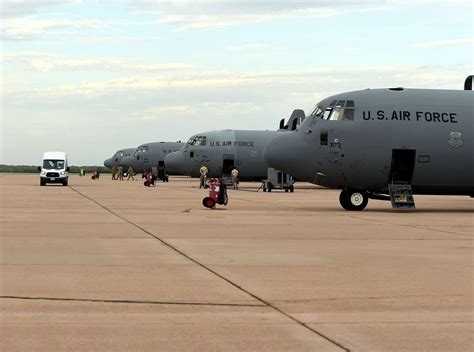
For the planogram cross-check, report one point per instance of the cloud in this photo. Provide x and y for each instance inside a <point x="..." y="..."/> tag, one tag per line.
<point x="446" y="42"/>
<point x="31" y="28"/>
<point x="163" y="113"/>
<point x="16" y="8"/>
<point x="191" y="82"/>
<point x="188" y="15"/>
<point x="47" y="62"/>
<point x="197" y="15"/>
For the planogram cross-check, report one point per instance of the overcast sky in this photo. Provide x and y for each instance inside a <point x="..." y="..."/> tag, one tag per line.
<point x="90" y="77"/>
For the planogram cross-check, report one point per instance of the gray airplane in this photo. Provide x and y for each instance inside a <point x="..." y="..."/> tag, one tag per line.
<point x="117" y="158"/>
<point x="221" y="151"/>
<point x="384" y="144"/>
<point x="149" y="155"/>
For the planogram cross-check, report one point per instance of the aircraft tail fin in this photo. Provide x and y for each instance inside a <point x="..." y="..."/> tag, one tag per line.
<point x="468" y="83"/>
<point x="297" y="116"/>
<point x="282" y="124"/>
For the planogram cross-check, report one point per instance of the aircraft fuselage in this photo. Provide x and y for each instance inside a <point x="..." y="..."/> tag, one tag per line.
<point x="220" y="151"/>
<point x="366" y="139"/>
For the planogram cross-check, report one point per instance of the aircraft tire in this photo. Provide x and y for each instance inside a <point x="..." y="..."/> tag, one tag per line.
<point x="353" y="200"/>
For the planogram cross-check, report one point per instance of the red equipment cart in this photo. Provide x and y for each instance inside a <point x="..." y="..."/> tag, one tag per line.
<point x="150" y="179"/>
<point x="95" y="175"/>
<point x="217" y="193"/>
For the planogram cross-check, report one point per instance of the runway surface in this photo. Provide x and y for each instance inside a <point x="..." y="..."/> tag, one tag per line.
<point x="116" y="266"/>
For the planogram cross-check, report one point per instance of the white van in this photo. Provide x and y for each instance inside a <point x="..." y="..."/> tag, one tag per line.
<point x="54" y="168"/>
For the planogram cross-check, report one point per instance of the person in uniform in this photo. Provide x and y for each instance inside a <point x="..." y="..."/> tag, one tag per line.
<point x="235" y="180"/>
<point x="114" y="172"/>
<point x="120" y="173"/>
<point x="202" y="179"/>
<point x="130" y="173"/>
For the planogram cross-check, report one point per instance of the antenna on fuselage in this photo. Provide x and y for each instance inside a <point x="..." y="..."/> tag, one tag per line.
<point x="468" y="83"/>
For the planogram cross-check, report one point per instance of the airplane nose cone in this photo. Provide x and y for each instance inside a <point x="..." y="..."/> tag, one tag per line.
<point x="290" y="154"/>
<point x="174" y="162"/>
<point x="108" y="163"/>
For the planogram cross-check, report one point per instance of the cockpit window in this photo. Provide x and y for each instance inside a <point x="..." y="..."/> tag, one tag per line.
<point x="198" y="141"/>
<point x="341" y="110"/>
<point x="337" y="110"/>
<point x="318" y="110"/>
<point x="327" y="113"/>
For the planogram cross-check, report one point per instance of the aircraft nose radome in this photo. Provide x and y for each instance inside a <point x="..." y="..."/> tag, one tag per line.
<point x="286" y="153"/>
<point x="108" y="163"/>
<point x="174" y="162"/>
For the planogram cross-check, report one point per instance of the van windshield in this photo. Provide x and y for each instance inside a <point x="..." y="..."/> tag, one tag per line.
<point x="50" y="164"/>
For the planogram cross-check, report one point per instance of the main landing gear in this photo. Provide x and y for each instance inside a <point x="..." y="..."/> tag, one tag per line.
<point x="352" y="199"/>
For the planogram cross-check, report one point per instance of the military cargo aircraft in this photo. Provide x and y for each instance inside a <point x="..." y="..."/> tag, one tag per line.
<point x="149" y="155"/>
<point x="116" y="159"/>
<point x="221" y="151"/>
<point x="384" y="144"/>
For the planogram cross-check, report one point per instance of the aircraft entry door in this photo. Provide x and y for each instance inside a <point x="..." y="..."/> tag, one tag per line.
<point x="227" y="164"/>
<point x="403" y="165"/>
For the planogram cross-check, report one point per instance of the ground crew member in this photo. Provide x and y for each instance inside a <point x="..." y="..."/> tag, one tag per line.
<point x="130" y="173"/>
<point x="202" y="179"/>
<point x="120" y="173"/>
<point x="235" y="174"/>
<point x="114" y="172"/>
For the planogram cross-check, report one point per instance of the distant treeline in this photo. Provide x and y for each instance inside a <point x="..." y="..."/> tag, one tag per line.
<point x="34" y="169"/>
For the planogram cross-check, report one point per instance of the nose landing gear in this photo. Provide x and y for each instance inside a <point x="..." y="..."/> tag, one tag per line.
<point x="354" y="200"/>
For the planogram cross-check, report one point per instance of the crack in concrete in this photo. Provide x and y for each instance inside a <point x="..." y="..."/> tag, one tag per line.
<point x="392" y="322"/>
<point x="372" y="298"/>
<point x="215" y="273"/>
<point x="128" y="301"/>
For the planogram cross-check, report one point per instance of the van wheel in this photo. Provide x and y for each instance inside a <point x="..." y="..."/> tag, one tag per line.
<point x="353" y="200"/>
<point x="292" y="189"/>
<point x="64" y="183"/>
<point x="42" y="183"/>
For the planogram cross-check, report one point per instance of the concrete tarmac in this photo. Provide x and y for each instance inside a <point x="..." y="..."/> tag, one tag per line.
<point x="116" y="266"/>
